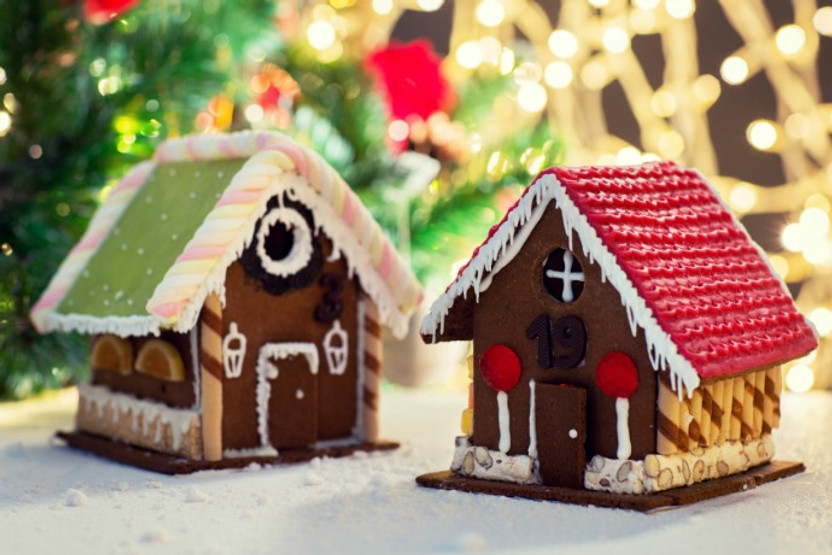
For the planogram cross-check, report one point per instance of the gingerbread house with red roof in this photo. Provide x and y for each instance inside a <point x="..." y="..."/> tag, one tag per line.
<point x="235" y="290"/>
<point x="627" y="338"/>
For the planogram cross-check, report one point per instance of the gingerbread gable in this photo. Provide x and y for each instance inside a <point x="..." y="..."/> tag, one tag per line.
<point x="165" y="236"/>
<point x="688" y="274"/>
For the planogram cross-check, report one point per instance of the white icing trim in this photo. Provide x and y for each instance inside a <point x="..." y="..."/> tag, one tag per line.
<point x="354" y="245"/>
<point x="361" y="311"/>
<point x="267" y="371"/>
<point x="622" y="415"/>
<point x="96" y="398"/>
<point x="232" y="357"/>
<point x="358" y="257"/>
<point x="503" y="416"/>
<point x="193" y="341"/>
<point x="503" y="246"/>
<point x="123" y="326"/>
<point x="337" y="442"/>
<point x="301" y="252"/>
<point x="337" y="356"/>
<point x="532" y="420"/>
<point x="267" y="451"/>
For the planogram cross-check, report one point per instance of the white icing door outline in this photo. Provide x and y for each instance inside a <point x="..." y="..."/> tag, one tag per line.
<point x="267" y="371"/>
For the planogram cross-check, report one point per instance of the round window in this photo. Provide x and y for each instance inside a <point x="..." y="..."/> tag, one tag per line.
<point x="284" y="253"/>
<point x="563" y="276"/>
<point x="284" y="242"/>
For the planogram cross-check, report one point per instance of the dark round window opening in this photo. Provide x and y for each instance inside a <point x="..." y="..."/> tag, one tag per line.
<point x="279" y="241"/>
<point x="563" y="276"/>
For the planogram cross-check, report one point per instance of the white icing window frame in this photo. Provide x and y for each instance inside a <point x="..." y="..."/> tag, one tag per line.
<point x="301" y="252"/>
<point x="266" y="371"/>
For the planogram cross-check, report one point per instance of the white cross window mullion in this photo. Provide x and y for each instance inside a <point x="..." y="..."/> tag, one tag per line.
<point x="568" y="276"/>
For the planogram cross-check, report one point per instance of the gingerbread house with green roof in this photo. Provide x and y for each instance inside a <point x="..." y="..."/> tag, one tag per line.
<point x="235" y="291"/>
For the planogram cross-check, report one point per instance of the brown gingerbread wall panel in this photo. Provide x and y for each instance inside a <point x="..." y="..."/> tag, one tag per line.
<point x="515" y="299"/>
<point x="289" y="317"/>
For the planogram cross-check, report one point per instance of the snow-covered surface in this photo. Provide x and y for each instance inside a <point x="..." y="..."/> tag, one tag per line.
<point x="57" y="500"/>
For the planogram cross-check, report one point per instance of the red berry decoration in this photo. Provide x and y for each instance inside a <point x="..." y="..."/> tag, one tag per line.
<point x="99" y="12"/>
<point x="500" y="367"/>
<point x="616" y="375"/>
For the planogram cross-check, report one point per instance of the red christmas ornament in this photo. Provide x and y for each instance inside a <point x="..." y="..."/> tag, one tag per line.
<point x="409" y="76"/>
<point x="99" y="12"/>
<point x="616" y="375"/>
<point x="500" y="367"/>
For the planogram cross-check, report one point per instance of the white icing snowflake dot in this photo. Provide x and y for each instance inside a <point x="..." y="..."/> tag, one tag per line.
<point x="573" y="433"/>
<point x="299" y="394"/>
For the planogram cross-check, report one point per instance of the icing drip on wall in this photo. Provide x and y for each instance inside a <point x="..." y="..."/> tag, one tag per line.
<point x="180" y="421"/>
<point x="503" y="416"/>
<point x="664" y="355"/>
<point x="622" y="414"/>
<point x="193" y="342"/>
<point x="532" y="421"/>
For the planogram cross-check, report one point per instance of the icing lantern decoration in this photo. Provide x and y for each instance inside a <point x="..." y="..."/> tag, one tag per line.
<point x="616" y="376"/>
<point x="500" y="368"/>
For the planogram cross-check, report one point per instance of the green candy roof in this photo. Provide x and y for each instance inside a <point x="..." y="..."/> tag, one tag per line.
<point x="151" y="233"/>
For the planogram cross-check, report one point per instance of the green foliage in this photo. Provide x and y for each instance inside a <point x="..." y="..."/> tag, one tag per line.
<point x="341" y="116"/>
<point x="449" y="224"/>
<point x="86" y="103"/>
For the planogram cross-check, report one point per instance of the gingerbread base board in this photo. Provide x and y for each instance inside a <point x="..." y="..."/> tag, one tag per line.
<point x="750" y="479"/>
<point x="169" y="464"/>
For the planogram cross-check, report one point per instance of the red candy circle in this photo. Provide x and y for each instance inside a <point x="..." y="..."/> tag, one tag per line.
<point x="616" y="375"/>
<point x="500" y="367"/>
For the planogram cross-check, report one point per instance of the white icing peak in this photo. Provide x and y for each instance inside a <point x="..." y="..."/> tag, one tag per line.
<point x="507" y="241"/>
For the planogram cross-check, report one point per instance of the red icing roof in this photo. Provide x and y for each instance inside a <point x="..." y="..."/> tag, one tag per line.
<point x="706" y="283"/>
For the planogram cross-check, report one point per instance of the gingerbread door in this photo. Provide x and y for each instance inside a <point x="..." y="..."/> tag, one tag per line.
<point x="560" y="422"/>
<point x="287" y="395"/>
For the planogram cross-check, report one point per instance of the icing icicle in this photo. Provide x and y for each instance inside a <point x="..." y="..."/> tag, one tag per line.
<point x="505" y="424"/>
<point x="622" y="415"/>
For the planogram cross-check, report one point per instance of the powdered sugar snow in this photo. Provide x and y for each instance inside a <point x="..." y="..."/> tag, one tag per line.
<point x="54" y="496"/>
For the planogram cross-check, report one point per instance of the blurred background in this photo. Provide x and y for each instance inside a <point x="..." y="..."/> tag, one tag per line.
<point x="438" y="113"/>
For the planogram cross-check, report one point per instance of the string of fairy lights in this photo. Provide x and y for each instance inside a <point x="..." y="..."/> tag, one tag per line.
<point x="560" y="73"/>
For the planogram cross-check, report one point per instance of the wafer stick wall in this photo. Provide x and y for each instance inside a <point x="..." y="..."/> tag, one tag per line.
<point x="210" y="358"/>
<point x="737" y="408"/>
<point x="372" y="371"/>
